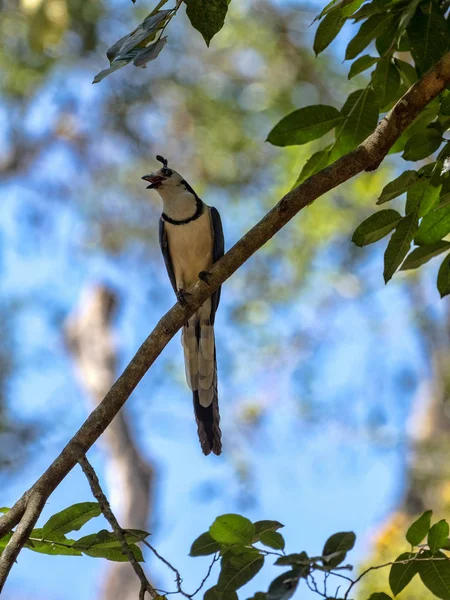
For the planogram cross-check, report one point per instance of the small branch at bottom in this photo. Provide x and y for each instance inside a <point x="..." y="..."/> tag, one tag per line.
<point x="97" y="491"/>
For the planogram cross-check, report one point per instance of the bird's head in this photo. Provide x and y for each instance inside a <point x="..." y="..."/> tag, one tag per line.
<point x="164" y="178"/>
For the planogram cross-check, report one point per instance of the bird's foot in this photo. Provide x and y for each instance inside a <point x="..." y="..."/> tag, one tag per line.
<point x="182" y="297"/>
<point x="204" y="276"/>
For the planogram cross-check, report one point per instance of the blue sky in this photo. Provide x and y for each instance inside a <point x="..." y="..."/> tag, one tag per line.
<point x="317" y="472"/>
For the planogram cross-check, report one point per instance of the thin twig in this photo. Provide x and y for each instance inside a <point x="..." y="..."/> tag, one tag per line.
<point x="97" y="491"/>
<point x="178" y="578"/>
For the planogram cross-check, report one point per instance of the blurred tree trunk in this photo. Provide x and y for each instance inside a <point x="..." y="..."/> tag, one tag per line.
<point x="427" y="478"/>
<point x="130" y="476"/>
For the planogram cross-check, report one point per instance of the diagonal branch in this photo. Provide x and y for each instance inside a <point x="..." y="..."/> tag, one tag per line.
<point x="366" y="157"/>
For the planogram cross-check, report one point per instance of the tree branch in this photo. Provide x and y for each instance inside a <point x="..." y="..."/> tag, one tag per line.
<point x="367" y="156"/>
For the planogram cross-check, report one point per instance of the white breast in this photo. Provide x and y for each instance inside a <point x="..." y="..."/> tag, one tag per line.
<point x="190" y="248"/>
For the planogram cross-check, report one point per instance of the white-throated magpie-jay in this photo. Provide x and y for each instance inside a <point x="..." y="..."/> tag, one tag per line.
<point x="191" y="240"/>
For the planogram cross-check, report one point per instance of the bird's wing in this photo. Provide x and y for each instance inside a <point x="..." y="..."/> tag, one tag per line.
<point x="218" y="252"/>
<point x="164" y="243"/>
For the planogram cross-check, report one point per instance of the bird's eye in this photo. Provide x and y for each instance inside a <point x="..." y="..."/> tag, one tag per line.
<point x="167" y="172"/>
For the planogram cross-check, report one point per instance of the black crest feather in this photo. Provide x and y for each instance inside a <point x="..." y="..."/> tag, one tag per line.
<point x="162" y="160"/>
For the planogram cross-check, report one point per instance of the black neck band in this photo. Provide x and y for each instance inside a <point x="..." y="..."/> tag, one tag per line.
<point x="196" y="215"/>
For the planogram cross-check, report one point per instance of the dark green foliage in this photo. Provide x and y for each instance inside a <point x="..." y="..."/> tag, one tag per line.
<point x="50" y="539"/>
<point x="204" y="545"/>
<point x="305" y="125"/>
<point x="435" y="574"/>
<point x="443" y="282"/>
<point x="401" y="574"/>
<point x="377" y="226"/>
<point x="420" y="256"/>
<point x="207" y="16"/>
<point x="437" y="536"/>
<point x="399" y="245"/>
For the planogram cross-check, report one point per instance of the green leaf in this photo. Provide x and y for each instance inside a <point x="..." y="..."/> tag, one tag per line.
<point x="262" y="526"/>
<point x="407" y="72"/>
<point x="313" y="165"/>
<point x="423" y="254"/>
<point x="239" y="565"/>
<point x="445" y="104"/>
<point x="422" y="196"/>
<point x="360" y="113"/>
<point x="328" y="30"/>
<point x="369" y="30"/>
<point x="4" y="540"/>
<point x="398" y="186"/>
<point x="399" y="245"/>
<point x="348" y="7"/>
<point x="401" y="574"/>
<point x="338" y="545"/>
<point x="419" y="529"/>
<point x="361" y="64"/>
<point x="386" y="41"/>
<point x="326" y="10"/>
<point x="434" y="226"/>
<point x="443" y="281"/>
<point x="380" y="596"/>
<point x="298" y="559"/>
<point x="438" y="534"/>
<point x="284" y="586"/>
<point x="435" y="574"/>
<point x="62" y="547"/>
<point x="259" y="596"/>
<point x="428" y="34"/>
<point x="304" y="125"/>
<point x="376" y="227"/>
<point x="386" y="82"/>
<point x="232" y="529"/>
<point x="70" y="519"/>
<point x="215" y="594"/>
<point x="114" y="554"/>
<point x="421" y="145"/>
<point x="207" y="16"/>
<point x="204" y="545"/>
<point x="108" y="539"/>
<point x="273" y="539"/>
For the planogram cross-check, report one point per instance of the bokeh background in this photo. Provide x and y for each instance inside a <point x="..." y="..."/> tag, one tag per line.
<point x="333" y="388"/>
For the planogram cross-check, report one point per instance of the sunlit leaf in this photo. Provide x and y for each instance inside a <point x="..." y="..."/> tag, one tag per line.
<point x="422" y="196"/>
<point x="438" y="534"/>
<point x="70" y="519"/>
<point x="434" y="226"/>
<point x="419" y="529"/>
<point x="317" y="162"/>
<point x="232" y="529"/>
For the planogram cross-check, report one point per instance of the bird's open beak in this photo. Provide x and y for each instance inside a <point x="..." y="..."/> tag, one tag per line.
<point x="155" y="180"/>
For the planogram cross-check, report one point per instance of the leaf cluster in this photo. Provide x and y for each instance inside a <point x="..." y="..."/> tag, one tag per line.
<point x="391" y="30"/>
<point x="52" y="537"/>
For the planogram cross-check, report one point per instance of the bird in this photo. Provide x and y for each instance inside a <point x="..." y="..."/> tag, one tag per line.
<point x="191" y="240"/>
